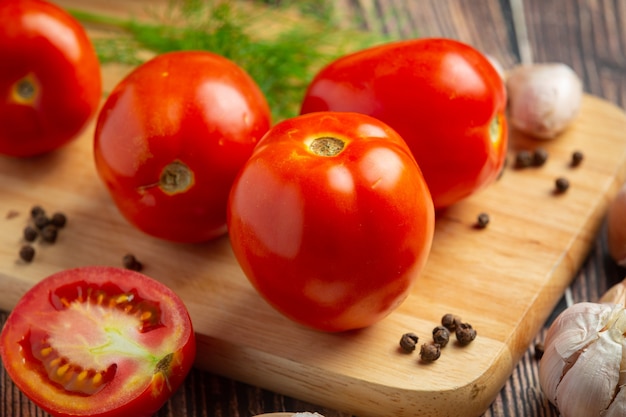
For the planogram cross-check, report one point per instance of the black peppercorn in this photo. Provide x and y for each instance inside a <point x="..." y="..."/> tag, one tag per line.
<point x="450" y="321"/>
<point x="37" y="211"/>
<point x="441" y="336"/>
<point x="577" y="158"/>
<point x="430" y="352"/>
<point x="561" y="184"/>
<point x="27" y="253"/>
<point x="41" y="221"/>
<point x="408" y="341"/>
<point x="130" y="262"/>
<point x="30" y="234"/>
<point x="465" y="333"/>
<point x="49" y="233"/>
<point x="59" y="220"/>
<point x="482" y="220"/>
<point x="540" y="156"/>
<point x="523" y="159"/>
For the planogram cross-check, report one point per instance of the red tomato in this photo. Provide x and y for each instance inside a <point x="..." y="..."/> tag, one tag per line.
<point x="50" y="83"/>
<point x="331" y="220"/>
<point x="170" y="139"/>
<point x="100" y="342"/>
<point x="443" y="97"/>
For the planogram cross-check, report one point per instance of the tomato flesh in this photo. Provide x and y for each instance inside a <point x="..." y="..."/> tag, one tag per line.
<point x="98" y="341"/>
<point x="331" y="220"/>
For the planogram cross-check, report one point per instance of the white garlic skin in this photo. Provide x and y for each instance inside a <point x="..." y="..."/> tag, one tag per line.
<point x="616" y="227"/>
<point x="544" y="99"/>
<point x="584" y="363"/>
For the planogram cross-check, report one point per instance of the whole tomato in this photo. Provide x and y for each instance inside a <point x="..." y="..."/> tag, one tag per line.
<point x="170" y="139"/>
<point x="443" y="97"/>
<point x="50" y="81"/>
<point x="99" y="342"/>
<point x="331" y="220"/>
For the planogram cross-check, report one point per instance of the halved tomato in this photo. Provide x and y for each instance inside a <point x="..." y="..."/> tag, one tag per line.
<point x="98" y="341"/>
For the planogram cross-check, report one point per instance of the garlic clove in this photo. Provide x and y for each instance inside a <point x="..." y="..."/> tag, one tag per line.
<point x="544" y="99"/>
<point x="616" y="227"/>
<point x="580" y="370"/>
<point x="588" y="386"/>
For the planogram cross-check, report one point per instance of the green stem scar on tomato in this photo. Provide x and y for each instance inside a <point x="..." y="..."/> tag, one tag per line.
<point x="98" y="341"/>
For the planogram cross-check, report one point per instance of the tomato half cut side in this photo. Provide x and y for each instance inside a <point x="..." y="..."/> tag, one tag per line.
<point x="98" y="341"/>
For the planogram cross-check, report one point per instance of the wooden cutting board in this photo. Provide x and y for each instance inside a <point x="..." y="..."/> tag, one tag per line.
<point x="504" y="279"/>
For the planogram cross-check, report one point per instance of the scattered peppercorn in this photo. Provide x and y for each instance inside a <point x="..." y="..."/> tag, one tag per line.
<point x="562" y="184"/>
<point x="408" y="341"/>
<point x="130" y="262"/>
<point x="482" y="220"/>
<point x="450" y="321"/>
<point x="523" y="159"/>
<point x="465" y="333"/>
<point x="41" y="221"/>
<point x="27" y="253"/>
<point x="441" y="336"/>
<point x="37" y="211"/>
<point x="430" y="352"/>
<point x="539" y="349"/>
<point x="30" y="233"/>
<point x="49" y="233"/>
<point x="577" y="158"/>
<point x="540" y="156"/>
<point x="59" y="220"/>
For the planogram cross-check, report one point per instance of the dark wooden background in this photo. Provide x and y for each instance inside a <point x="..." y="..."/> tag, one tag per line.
<point x="588" y="35"/>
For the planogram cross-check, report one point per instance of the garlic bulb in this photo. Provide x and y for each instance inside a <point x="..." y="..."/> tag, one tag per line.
<point x="544" y="99"/>
<point x="583" y="368"/>
<point x="616" y="227"/>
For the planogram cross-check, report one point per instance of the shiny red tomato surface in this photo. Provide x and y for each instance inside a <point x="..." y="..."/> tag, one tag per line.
<point x="170" y="139"/>
<point x="443" y="97"/>
<point x="99" y="342"/>
<point x="331" y="220"/>
<point x="50" y="83"/>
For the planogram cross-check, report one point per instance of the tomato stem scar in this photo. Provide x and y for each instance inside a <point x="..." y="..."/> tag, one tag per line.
<point x="176" y="178"/>
<point x="326" y="146"/>
<point x="25" y="90"/>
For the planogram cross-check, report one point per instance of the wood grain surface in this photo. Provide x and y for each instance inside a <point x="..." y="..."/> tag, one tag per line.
<point x="587" y="35"/>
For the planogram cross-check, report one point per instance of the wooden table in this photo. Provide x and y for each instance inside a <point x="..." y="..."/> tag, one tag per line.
<point x="590" y="36"/>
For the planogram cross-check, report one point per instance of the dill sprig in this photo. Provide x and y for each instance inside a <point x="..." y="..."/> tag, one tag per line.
<point x="280" y="46"/>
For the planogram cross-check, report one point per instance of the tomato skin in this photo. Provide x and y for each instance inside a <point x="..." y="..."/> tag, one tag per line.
<point x="332" y="242"/>
<point x="440" y="95"/>
<point x="47" y="48"/>
<point x="171" y="337"/>
<point x="195" y="108"/>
